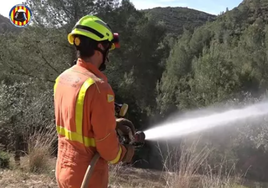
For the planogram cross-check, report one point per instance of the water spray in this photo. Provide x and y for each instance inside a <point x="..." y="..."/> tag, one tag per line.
<point x="195" y="124"/>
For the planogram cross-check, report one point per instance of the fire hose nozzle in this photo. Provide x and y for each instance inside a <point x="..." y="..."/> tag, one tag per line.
<point x="139" y="137"/>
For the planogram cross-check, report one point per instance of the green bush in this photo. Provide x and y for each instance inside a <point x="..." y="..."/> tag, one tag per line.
<point x="4" y="159"/>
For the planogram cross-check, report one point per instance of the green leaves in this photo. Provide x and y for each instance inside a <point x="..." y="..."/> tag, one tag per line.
<point x="170" y="60"/>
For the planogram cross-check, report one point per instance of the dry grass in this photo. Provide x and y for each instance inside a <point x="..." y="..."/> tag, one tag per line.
<point x="222" y="177"/>
<point x="37" y="167"/>
<point x="183" y="163"/>
<point x="123" y="177"/>
<point x="40" y="150"/>
<point x="23" y="179"/>
<point x="181" y="169"/>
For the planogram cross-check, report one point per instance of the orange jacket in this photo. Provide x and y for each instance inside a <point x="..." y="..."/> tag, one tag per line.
<point x="85" y="119"/>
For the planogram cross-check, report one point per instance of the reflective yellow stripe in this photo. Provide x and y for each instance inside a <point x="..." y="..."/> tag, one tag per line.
<point x="73" y="136"/>
<point x="117" y="157"/>
<point x="78" y="135"/>
<point x="55" y="85"/>
<point x="80" y="105"/>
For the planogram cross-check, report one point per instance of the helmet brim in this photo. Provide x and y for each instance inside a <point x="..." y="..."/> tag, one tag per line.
<point x="115" y="41"/>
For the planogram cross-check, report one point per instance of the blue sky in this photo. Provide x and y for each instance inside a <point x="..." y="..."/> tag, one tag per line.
<point x="209" y="6"/>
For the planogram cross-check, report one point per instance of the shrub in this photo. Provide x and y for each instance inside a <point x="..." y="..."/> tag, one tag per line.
<point x="4" y="160"/>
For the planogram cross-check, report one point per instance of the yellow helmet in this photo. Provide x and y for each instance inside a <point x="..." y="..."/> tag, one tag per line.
<point x="94" y="28"/>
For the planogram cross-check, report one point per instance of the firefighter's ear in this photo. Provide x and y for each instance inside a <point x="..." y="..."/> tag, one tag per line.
<point x="100" y="46"/>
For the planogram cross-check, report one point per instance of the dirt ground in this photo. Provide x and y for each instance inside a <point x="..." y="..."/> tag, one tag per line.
<point x="128" y="177"/>
<point x="19" y="179"/>
<point x="120" y="177"/>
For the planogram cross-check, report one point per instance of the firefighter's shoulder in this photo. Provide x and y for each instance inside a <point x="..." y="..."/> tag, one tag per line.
<point x="102" y="85"/>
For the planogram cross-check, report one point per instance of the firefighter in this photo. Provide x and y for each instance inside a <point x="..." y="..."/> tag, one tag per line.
<point x="84" y="109"/>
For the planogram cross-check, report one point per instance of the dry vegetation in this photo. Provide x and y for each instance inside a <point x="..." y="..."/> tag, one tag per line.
<point x="221" y="60"/>
<point x="36" y="169"/>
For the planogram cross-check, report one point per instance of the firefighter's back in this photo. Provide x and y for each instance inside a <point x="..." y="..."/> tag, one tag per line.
<point x="76" y="145"/>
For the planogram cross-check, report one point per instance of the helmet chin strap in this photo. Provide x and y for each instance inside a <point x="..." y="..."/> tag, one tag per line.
<point x="105" y="58"/>
<point x="102" y="66"/>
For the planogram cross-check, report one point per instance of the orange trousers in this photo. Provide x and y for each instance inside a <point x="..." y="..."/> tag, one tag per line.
<point x="71" y="168"/>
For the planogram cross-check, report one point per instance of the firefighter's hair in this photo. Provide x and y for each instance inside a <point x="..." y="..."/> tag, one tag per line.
<point x="84" y="46"/>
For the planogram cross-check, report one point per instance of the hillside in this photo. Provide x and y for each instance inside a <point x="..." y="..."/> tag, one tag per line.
<point x="177" y="18"/>
<point x="223" y="61"/>
<point x="5" y="25"/>
<point x="248" y="13"/>
<point x="237" y="37"/>
<point x="174" y="19"/>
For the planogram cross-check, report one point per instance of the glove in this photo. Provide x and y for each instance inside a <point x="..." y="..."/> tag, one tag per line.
<point x="125" y="128"/>
<point x="129" y="153"/>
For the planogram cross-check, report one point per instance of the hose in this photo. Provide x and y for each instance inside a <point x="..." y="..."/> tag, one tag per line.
<point x="89" y="171"/>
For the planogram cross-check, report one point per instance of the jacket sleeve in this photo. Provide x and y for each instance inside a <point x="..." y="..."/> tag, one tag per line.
<point x="104" y="123"/>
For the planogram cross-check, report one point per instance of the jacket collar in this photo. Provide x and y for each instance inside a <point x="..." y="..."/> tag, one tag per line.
<point x="92" y="68"/>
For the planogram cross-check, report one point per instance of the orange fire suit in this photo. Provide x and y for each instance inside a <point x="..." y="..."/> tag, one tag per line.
<point x="85" y="121"/>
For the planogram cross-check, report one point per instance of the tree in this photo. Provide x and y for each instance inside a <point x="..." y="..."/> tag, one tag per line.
<point x="54" y="13"/>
